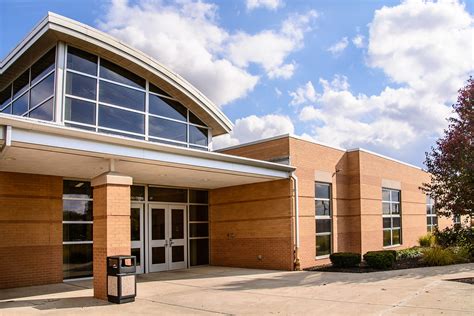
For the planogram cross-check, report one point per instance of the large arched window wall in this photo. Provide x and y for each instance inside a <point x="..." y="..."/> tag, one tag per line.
<point x="104" y="97"/>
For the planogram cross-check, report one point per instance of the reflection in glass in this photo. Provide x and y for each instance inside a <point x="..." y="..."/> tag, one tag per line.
<point x="322" y="208"/>
<point x="197" y="135"/>
<point x="77" y="232"/>
<point x="137" y="253"/>
<point x="194" y="119"/>
<point x="155" y="89"/>
<point x="157" y="224"/>
<point x="177" y="224"/>
<point x="167" y="195"/>
<point x="42" y="91"/>
<point x="20" y="106"/>
<point x="167" y="108"/>
<point x="5" y="96"/>
<point x="198" y="196"/>
<point x="198" y="230"/>
<point x="77" y="261"/>
<point x="79" y="111"/>
<point x="119" y="95"/>
<point x="198" y="213"/>
<point x="121" y="119"/>
<point x="81" y="86"/>
<point x="21" y="84"/>
<point x="137" y="193"/>
<point x="77" y="210"/>
<point x="135" y="223"/>
<point x="77" y="189"/>
<point x="81" y="61"/>
<point x="167" y="129"/>
<point x="387" y="239"/>
<point x="44" y="65"/>
<point x="322" y="191"/>
<point x="111" y="71"/>
<point x="385" y="195"/>
<point x="158" y="255"/>
<point x="44" y="111"/>
<point x="199" y="251"/>
<point x="177" y="253"/>
<point x="323" y="245"/>
<point x="323" y="226"/>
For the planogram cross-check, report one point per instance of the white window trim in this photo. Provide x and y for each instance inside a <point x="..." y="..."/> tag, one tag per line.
<point x="391" y="229"/>
<point x="329" y="217"/>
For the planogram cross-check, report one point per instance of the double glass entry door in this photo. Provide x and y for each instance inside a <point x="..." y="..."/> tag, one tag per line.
<point x="162" y="243"/>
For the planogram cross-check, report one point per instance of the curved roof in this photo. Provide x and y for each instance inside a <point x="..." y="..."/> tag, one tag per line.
<point x="55" y="28"/>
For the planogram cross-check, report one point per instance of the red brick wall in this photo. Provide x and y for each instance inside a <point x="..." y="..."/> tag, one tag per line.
<point x="30" y="229"/>
<point x="252" y="220"/>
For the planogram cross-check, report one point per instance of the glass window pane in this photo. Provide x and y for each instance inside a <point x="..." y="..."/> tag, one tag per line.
<point x="323" y="226"/>
<point x="435" y="220"/>
<point x="158" y="255"/>
<point x="7" y="110"/>
<point x="177" y="254"/>
<point x="77" y="261"/>
<point x="323" y="245"/>
<point x="111" y="71"/>
<point x="5" y="96"/>
<point x="44" y="65"/>
<point x="137" y="193"/>
<point x="79" y="111"/>
<point x="194" y="119"/>
<point x="177" y="224"/>
<point x="396" y="236"/>
<point x="198" y="230"/>
<point x="385" y="195"/>
<point x="198" y="196"/>
<point x="135" y="223"/>
<point x="386" y="208"/>
<point x="323" y="191"/>
<point x="42" y="91"/>
<point x="387" y="238"/>
<point x="155" y="89"/>
<point x="167" y="129"/>
<point x="122" y="96"/>
<point x="199" y="251"/>
<point x="76" y="210"/>
<point x="167" y="195"/>
<point x="81" y="86"/>
<point x="387" y="223"/>
<point x="77" y="232"/>
<point x="77" y="189"/>
<point x="44" y="112"/>
<point x="396" y="222"/>
<point x="157" y="224"/>
<point x="81" y="61"/>
<point x="198" y="213"/>
<point x="428" y="209"/>
<point x="395" y="196"/>
<point x="428" y="221"/>
<point x="395" y="208"/>
<point x="428" y="199"/>
<point x="198" y="135"/>
<point x="21" y="83"/>
<point x="166" y="107"/>
<point x="137" y="253"/>
<point x="322" y="208"/>
<point x="20" y="106"/>
<point x="121" y="119"/>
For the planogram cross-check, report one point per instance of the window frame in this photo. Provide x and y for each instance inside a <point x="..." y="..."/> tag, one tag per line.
<point x="146" y="113"/>
<point x="430" y="204"/>
<point x="325" y="217"/>
<point x="392" y="216"/>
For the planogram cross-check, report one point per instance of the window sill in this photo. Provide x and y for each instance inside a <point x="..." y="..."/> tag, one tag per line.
<point x="322" y="257"/>
<point x="392" y="246"/>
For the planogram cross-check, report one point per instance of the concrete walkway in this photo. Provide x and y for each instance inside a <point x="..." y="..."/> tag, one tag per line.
<point x="216" y="290"/>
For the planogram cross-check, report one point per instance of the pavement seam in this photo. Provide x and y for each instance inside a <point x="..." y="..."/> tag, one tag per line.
<point x="182" y="306"/>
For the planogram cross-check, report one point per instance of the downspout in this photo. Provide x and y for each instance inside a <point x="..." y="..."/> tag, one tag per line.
<point x="8" y="141"/>
<point x="297" y="223"/>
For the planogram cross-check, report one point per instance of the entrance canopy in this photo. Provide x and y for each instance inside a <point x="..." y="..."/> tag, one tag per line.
<point x="42" y="148"/>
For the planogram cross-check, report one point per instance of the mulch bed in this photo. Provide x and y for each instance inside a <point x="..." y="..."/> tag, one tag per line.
<point x="363" y="268"/>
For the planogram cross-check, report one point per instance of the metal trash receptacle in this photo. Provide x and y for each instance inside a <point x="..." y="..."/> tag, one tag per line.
<point x="121" y="279"/>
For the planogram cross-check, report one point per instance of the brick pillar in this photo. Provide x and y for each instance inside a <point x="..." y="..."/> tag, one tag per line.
<point x="111" y="224"/>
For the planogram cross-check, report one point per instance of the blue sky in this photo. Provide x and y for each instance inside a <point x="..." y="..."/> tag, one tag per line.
<point x="374" y="74"/>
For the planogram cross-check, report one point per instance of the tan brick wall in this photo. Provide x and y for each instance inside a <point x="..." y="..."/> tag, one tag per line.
<point x="249" y="221"/>
<point x="30" y="229"/>
<point x="277" y="148"/>
<point x="111" y="230"/>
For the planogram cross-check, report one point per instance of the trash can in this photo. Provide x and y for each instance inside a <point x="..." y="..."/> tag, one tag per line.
<point x="121" y="282"/>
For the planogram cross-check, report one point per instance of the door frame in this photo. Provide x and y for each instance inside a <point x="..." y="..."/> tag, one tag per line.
<point x="140" y="243"/>
<point x="168" y="265"/>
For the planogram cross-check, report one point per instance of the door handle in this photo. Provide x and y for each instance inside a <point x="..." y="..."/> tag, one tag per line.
<point x="166" y="243"/>
<point x="171" y="242"/>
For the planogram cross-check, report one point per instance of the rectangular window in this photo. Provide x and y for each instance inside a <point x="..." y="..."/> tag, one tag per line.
<point x="323" y="219"/>
<point x="391" y="215"/>
<point x="431" y="216"/>
<point x="77" y="229"/>
<point x="198" y="216"/>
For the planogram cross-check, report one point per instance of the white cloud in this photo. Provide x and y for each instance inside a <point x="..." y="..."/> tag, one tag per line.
<point x="187" y="37"/>
<point x="278" y="92"/>
<point x="304" y="94"/>
<point x="338" y="47"/>
<point x="268" y="4"/>
<point x="253" y="128"/>
<point x="422" y="46"/>
<point x="358" y="41"/>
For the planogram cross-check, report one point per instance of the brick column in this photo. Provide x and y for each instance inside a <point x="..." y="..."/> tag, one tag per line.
<point x="111" y="224"/>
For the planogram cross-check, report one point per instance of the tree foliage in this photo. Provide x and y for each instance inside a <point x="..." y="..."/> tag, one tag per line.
<point x="451" y="161"/>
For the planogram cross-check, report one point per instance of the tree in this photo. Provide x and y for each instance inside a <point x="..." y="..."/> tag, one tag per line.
<point x="451" y="161"/>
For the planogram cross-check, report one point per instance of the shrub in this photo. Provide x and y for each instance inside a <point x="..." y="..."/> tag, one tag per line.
<point x="345" y="259"/>
<point x="427" y="240"/>
<point x="462" y="254"/>
<point x="437" y="256"/>
<point x="455" y="237"/>
<point x="380" y="259"/>
<point x="410" y="253"/>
